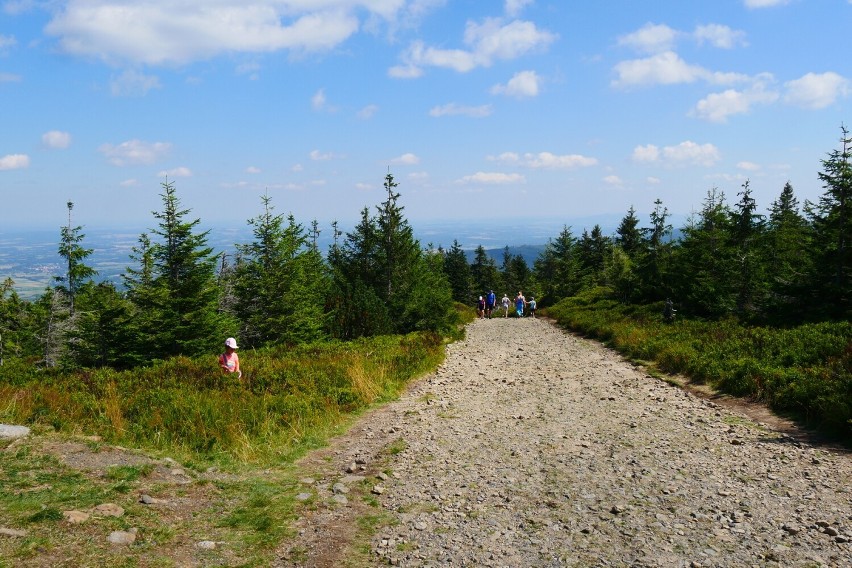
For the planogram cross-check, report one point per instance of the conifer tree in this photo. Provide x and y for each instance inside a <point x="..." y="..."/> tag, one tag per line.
<point x="832" y="223"/>
<point x="557" y="268"/>
<point x="184" y="299"/>
<point x="457" y="269"/>
<point x="279" y="291"/>
<point x="788" y="261"/>
<point x="398" y="251"/>
<point x="747" y="242"/>
<point x="106" y="329"/>
<point x="704" y="280"/>
<point x="628" y="234"/>
<point x="13" y="321"/>
<point x="592" y="251"/>
<point x="483" y="273"/>
<point x="378" y="274"/>
<point x="77" y="272"/>
<point x="653" y="266"/>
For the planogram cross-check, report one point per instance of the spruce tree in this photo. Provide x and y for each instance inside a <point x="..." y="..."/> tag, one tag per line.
<point x="832" y="223"/>
<point x="702" y="278"/>
<point x="557" y="268"/>
<point x="484" y="275"/>
<point x="70" y="249"/>
<point x="185" y="298"/>
<point x="457" y="269"/>
<point x="592" y="251"/>
<point x="788" y="261"/>
<point x="747" y="244"/>
<point x="628" y="234"/>
<point x="653" y="266"/>
<point x="279" y="283"/>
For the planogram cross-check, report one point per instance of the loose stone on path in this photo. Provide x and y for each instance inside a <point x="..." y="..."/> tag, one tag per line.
<point x="533" y="447"/>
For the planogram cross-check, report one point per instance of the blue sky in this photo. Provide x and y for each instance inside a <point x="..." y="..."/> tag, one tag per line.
<point x="481" y="109"/>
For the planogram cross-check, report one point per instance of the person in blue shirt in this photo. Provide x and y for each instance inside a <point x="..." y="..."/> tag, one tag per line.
<point x="490" y="302"/>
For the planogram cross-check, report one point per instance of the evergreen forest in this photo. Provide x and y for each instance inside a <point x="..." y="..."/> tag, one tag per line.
<point x="762" y="293"/>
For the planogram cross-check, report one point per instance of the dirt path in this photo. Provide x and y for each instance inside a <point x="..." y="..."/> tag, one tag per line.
<point x="532" y="447"/>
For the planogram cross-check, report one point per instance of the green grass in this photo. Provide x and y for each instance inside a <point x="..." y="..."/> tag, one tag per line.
<point x="804" y="372"/>
<point x="291" y="401"/>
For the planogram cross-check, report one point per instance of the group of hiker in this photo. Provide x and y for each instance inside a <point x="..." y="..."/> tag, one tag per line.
<point x="229" y="361"/>
<point x="486" y="305"/>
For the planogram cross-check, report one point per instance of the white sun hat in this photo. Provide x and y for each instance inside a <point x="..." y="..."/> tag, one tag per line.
<point x="231" y="342"/>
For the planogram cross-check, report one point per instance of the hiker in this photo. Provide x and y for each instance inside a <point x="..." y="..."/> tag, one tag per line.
<point x="229" y="361"/>
<point x="532" y="306"/>
<point x="480" y="307"/>
<point x="520" y="302"/>
<point x="506" y="302"/>
<point x="490" y="302"/>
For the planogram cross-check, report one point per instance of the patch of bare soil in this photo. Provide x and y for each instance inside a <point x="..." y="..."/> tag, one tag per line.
<point x="328" y="529"/>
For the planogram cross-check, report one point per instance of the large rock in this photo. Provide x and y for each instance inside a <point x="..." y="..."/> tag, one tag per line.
<point x="12" y="432"/>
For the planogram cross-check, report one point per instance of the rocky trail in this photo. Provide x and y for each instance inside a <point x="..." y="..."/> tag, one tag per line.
<point x="533" y="447"/>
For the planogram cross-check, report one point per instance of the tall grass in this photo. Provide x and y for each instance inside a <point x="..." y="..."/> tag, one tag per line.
<point x="805" y="371"/>
<point x="289" y="399"/>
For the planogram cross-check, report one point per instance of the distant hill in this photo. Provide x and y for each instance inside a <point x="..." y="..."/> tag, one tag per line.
<point x="529" y="252"/>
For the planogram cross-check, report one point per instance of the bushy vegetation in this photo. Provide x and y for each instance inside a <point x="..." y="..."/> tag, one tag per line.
<point x="804" y="371"/>
<point x="288" y="400"/>
<point x="772" y="293"/>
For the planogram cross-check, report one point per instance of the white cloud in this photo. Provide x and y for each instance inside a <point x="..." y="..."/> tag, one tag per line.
<point x="180" y="172"/>
<point x="613" y="180"/>
<point x="252" y="170"/>
<point x="14" y="162"/>
<point x="522" y="84"/>
<point x="453" y="109"/>
<point x="515" y="7"/>
<point x="56" y="139"/>
<point x="129" y="183"/>
<point x="764" y="3"/>
<point x="817" y="90"/>
<point x="9" y="78"/>
<point x="134" y="152"/>
<point x="650" y="38"/>
<point x="318" y="100"/>
<point x="318" y="156"/>
<point x="160" y="32"/>
<point x="490" y="41"/>
<point x="665" y="68"/>
<point x="493" y="178"/>
<point x="648" y="153"/>
<point x="685" y="153"/>
<point x="748" y="166"/>
<point x="691" y="153"/>
<point x="719" y="36"/>
<point x="419" y="177"/>
<point x="133" y="83"/>
<point x="408" y="159"/>
<point x="368" y="112"/>
<point x="653" y="180"/>
<point x="717" y="107"/>
<point x="545" y="160"/>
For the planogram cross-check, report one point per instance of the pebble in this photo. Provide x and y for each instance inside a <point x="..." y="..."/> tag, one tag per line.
<point x="122" y="537"/>
<point x="529" y="458"/>
<point x="530" y="446"/>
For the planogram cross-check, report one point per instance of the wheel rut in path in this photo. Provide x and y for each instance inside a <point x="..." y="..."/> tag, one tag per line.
<point x="530" y="446"/>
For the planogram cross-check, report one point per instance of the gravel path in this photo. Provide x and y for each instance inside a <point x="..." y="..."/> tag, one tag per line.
<point x="532" y="447"/>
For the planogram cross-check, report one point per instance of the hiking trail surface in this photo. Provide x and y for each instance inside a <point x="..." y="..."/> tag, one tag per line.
<point x="530" y="446"/>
